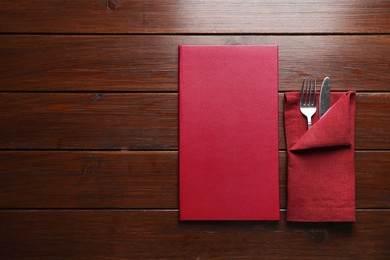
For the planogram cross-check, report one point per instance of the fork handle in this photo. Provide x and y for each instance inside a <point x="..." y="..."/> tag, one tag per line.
<point x="308" y="122"/>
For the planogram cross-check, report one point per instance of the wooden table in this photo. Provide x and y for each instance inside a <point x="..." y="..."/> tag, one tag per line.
<point x="89" y="125"/>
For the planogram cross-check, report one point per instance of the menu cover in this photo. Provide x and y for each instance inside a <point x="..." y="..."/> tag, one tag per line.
<point x="228" y="133"/>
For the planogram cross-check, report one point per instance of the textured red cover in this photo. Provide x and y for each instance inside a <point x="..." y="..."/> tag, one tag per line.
<point x="321" y="172"/>
<point x="228" y="149"/>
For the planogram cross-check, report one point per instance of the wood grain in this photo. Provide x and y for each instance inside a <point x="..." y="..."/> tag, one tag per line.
<point x="145" y="121"/>
<point x="150" y="63"/>
<point x="88" y="121"/>
<point x="368" y="165"/>
<point x="88" y="179"/>
<point x="138" y="179"/>
<point x="195" y="16"/>
<point x="159" y="235"/>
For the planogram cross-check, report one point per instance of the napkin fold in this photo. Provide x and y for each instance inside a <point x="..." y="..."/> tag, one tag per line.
<point x="321" y="171"/>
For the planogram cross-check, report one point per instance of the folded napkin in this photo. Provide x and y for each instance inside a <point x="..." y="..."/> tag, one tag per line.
<point x="321" y="172"/>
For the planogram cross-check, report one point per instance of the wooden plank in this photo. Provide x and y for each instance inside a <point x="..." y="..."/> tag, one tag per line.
<point x="136" y="121"/>
<point x="150" y="63"/>
<point x="88" y="121"/>
<point x="159" y="235"/>
<point x="88" y="179"/>
<point x="138" y="179"/>
<point x="195" y="16"/>
<point x="368" y="165"/>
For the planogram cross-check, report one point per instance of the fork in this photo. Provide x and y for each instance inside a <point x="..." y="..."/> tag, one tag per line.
<point x="307" y="103"/>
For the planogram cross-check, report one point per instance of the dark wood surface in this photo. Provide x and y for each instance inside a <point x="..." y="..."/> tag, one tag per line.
<point x="150" y="234"/>
<point x="149" y="63"/>
<point x="88" y="125"/>
<point x="195" y="16"/>
<point x="130" y="179"/>
<point x="136" y="121"/>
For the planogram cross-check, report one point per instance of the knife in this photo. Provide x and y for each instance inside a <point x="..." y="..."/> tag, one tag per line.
<point x="324" y="96"/>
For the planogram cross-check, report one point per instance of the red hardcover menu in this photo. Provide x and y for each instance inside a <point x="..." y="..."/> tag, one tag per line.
<point x="228" y="121"/>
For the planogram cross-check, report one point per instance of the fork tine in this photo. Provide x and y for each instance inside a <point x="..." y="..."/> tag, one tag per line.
<point x="308" y="93"/>
<point x="311" y="95"/>
<point x="315" y="91"/>
<point x="307" y="104"/>
<point x="302" y="92"/>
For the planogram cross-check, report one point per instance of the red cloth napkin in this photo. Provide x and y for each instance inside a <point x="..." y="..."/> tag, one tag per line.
<point x="321" y="171"/>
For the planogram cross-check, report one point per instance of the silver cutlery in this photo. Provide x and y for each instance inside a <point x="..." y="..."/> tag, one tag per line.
<point x="307" y="102"/>
<point x="324" y="101"/>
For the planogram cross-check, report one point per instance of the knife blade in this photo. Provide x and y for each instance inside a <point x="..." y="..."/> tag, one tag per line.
<point x="324" y="97"/>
